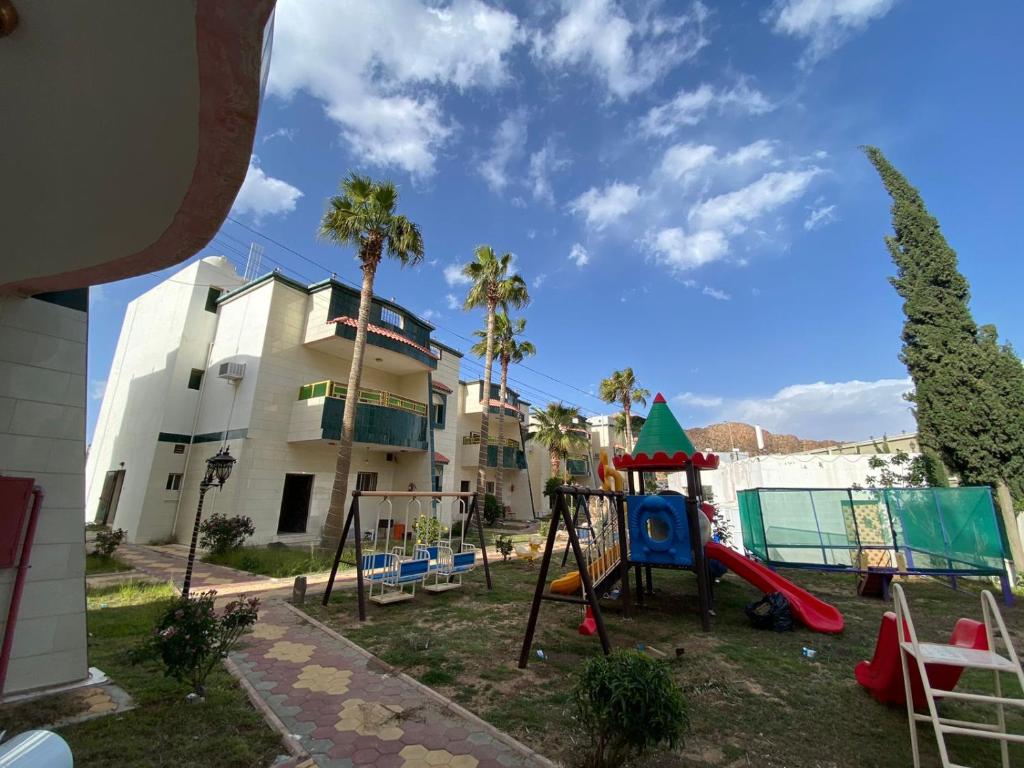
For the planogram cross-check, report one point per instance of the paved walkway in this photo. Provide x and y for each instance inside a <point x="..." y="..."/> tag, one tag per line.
<point x="168" y="564"/>
<point x="341" y="706"/>
<point x="346" y="708"/>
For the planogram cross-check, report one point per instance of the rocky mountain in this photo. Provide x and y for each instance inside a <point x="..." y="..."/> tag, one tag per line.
<point x="721" y="438"/>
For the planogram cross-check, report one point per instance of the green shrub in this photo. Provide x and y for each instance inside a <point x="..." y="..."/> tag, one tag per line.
<point x="108" y="541"/>
<point x="628" y="703"/>
<point x="428" y="529"/>
<point x="504" y="545"/>
<point x="457" y="530"/>
<point x="191" y="638"/>
<point x="220" y="533"/>
<point x="492" y="511"/>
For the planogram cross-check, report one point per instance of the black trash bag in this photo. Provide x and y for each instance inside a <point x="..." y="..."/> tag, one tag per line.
<point x="771" y="612"/>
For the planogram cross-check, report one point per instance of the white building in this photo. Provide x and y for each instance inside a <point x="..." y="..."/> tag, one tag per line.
<point x="264" y="368"/>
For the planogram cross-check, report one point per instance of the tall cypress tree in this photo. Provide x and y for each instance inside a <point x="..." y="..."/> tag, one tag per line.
<point x="968" y="389"/>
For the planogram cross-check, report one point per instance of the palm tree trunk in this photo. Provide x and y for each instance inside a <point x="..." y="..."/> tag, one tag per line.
<point x="485" y="409"/>
<point x="339" y="491"/>
<point x="499" y="477"/>
<point x="629" y="424"/>
<point x="555" y="465"/>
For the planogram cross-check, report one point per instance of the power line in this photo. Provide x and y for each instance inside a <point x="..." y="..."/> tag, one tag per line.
<point x="449" y="331"/>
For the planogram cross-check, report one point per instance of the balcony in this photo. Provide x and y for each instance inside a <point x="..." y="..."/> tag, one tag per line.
<point x="382" y="418"/>
<point x="512" y="454"/>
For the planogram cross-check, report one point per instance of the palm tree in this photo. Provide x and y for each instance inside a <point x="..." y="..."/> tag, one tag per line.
<point x="492" y="287"/>
<point x="508" y="349"/>
<point x="556" y="429"/>
<point x="635" y="423"/>
<point x="363" y="215"/>
<point x="621" y="388"/>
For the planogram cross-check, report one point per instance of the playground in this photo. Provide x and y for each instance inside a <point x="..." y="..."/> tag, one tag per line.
<point x="754" y="698"/>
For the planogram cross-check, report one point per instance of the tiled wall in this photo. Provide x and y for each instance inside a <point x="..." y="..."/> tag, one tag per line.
<point x="42" y="435"/>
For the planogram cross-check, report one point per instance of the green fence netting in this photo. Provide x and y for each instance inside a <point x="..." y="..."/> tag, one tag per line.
<point x="920" y="529"/>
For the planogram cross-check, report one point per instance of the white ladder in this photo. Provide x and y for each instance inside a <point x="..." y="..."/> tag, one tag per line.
<point x="914" y="652"/>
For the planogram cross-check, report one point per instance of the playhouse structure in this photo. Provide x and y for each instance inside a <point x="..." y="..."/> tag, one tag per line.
<point x="612" y="532"/>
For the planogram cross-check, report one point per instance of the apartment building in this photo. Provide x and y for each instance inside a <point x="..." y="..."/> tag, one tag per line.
<point x="263" y="367"/>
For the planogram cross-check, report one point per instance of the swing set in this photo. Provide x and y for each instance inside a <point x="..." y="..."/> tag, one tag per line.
<point x="385" y="567"/>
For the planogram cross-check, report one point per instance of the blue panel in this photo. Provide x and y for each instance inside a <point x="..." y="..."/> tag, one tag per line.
<point x="409" y="569"/>
<point x="378" y="560"/>
<point x="465" y="559"/>
<point x="658" y="530"/>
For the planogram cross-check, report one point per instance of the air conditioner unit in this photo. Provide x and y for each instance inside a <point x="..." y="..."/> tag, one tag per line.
<point x="231" y="371"/>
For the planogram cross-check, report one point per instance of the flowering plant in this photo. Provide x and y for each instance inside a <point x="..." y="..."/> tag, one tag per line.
<point x="221" y="534"/>
<point x="191" y="637"/>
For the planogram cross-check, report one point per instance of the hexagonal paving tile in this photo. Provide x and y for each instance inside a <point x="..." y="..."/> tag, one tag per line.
<point x="324" y="679"/>
<point x="369" y="718"/>
<point x="289" y="651"/>
<point x="268" y="631"/>
<point x="418" y="756"/>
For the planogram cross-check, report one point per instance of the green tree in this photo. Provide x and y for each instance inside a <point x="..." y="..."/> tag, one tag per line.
<point x="508" y="348"/>
<point x="968" y="389"/>
<point x="363" y="216"/>
<point x="621" y="388"/>
<point x="636" y="423"/>
<point x="556" y="429"/>
<point x="493" y="287"/>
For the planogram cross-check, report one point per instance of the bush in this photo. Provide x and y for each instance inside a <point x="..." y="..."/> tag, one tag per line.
<point x="628" y="703"/>
<point x="220" y="533"/>
<point x="191" y="638"/>
<point x="457" y="530"/>
<point x="428" y="529"/>
<point x="491" y="509"/>
<point x="504" y="545"/>
<point x="108" y="541"/>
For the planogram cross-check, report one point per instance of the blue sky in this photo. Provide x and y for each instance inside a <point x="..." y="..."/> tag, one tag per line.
<point x="680" y="183"/>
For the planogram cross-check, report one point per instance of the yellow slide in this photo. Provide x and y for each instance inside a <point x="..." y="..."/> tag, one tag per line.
<point x="571" y="583"/>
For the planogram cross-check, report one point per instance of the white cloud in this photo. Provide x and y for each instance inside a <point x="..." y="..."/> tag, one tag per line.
<point x="824" y="24"/>
<point x="697" y="401"/>
<point x="509" y="140"/>
<point x="96" y="388"/>
<point x="262" y="195"/>
<point x="280" y="133"/>
<point x="543" y="163"/>
<point x="429" y="314"/>
<point x="452" y="301"/>
<point x="601" y="207"/>
<point x="716" y="294"/>
<point x="538" y="280"/>
<point x="629" y="55"/>
<point x="453" y="275"/>
<point x="578" y="255"/>
<point x="681" y="161"/>
<point x="377" y="69"/>
<point x="674" y="248"/>
<point x="731" y="211"/>
<point x="689" y="108"/>
<point x="847" y="410"/>
<point x="762" y="149"/>
<point x="820" y="216"/>
<point x="531" y="233"/>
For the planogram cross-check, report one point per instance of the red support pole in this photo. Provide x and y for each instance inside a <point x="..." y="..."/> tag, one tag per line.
<point x="19" y="583"/>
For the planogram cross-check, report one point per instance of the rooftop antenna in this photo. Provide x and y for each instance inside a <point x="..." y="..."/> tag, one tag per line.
<point x="252" y="263"/>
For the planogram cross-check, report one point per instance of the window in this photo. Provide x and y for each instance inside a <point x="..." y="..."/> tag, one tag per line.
<point x="195" y="379"/>
<point x="437" y="410"/>
<point x="366" y="481"/>
<point x="389" y="316"/>
<point x="173" y="481"/>
<point x="438" y="475"/>
<point x="179" y="448"/>
<point x="490" y="487"/>
<point x="211" y="298"/>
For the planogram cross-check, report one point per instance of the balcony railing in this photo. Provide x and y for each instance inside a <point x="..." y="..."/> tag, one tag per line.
<point x="330" y="388"/>
<point x="473" y="438"/>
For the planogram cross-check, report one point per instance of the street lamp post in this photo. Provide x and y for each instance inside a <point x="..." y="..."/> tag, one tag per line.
<point x="218" y="469"/>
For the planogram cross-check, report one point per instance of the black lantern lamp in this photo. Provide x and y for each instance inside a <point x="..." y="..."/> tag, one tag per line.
<point x="218" y="470"/>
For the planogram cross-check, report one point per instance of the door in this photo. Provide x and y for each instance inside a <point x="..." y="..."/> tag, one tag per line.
<point x="298" y="489"/>
<point x="109" y="496"/>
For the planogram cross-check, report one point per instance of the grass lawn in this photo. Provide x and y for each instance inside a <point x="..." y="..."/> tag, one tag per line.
<point x="754" y="699"/>
<point x="95" y="564"/>
<point x="162" y="730"/>
<point x="274" y="561"/>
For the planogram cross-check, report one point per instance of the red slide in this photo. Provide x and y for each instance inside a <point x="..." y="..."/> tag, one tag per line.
<point x="813" y="613"/>
<point x="883" y="676"/>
